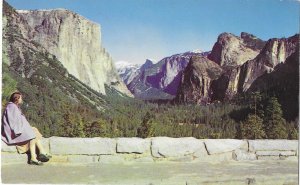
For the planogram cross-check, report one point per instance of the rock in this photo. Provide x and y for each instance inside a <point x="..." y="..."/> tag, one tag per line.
<point x="6" y="148"/>
<point x="252" y="41"/>
<point x="276" y="51"/>
<point x="127" y="71"/>
<point x="27" y="58"/>
<point x="177" y="147"/>
<point x="242" y="61"/>
<point x="215" y="146"/>
<point x="82" y="159"/>
<point x="226" y="86"/>
<point x="181" y="159"/>
<point x="144" y="160"/>
<point x="76" y="42"/>
<point x="161" y="80"/>
<point x="283" y="80"/>
<point x="241" y="155"/>
<point x="133" y="145"/>
<point x="287" y="153"/>
<point x="46" y="144"/>
<point x="275" y="153"/>
<point x="230" y="50"/>
<point x="201" y="152"/>
<point x="195" y="86"/>
<point x="215" y="158"/>
<point x="111" y="159"/>
<point x="268" y="158"/>
<point x="271" y="145"/>
<point x="86" y="146"/>
<point x="290" y="158"/>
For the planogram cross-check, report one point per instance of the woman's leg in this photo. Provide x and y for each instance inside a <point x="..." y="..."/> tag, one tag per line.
<point x="38" y="141"/>
<point x="40" y="147"/>
<point x="32" y="145"/>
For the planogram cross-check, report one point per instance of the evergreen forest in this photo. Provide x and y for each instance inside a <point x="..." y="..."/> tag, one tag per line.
<point x="248" y="116"/>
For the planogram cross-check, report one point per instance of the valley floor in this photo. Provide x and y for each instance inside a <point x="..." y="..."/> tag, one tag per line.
<point x="163" y="173"/>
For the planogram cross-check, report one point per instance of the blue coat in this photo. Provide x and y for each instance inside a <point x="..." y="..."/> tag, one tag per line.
<point x="15" y="127"/>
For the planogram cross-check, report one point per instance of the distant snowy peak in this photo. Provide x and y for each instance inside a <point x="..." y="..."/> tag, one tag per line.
<point x="127" y="70"/>
<point x="197" y="51"/>
<point x="125" y="64"/>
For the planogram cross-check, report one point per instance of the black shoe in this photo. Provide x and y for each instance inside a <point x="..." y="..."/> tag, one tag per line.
<point x="38" y="163"/>
<point x="43" y="158"/>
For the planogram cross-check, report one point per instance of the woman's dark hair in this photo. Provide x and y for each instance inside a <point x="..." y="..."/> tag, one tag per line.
<point x="15" y="97"/>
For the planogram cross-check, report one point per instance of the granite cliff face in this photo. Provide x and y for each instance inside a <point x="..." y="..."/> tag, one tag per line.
<point x="30" y="68"/>
<point x="275" y="52"/>
<point x="283" y="82"/>
<point x="237" y="79"/>
<point x="241" y="60"/>
<point x="76" y="42"/>
<point x="195" y="86"/>
<point x="230" y="50"/>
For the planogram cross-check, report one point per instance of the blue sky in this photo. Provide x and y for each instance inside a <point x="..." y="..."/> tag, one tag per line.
<point x="133" y="30"/>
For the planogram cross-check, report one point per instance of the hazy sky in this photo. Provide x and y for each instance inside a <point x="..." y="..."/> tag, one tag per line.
<point x="133" y="30"/>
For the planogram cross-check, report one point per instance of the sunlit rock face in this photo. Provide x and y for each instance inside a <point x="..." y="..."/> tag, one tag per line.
<point x="276" y="51"/>
<point x="241" y="60"/>
<point x="196" y="81"/>
<point x="231" y="50"/>
<point x="76" y="42"/>
<point x="239" y="78"/>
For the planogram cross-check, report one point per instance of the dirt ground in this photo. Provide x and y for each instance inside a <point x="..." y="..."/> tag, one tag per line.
<point x="163" y="173"/>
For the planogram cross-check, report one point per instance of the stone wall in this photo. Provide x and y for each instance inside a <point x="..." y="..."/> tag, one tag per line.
<point x="156" y="149"/>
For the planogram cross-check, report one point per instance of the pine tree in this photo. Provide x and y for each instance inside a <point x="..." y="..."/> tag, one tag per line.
<point x="256" y="105"/>
<point x="67" y="127"/>
<point x="8" y="87"/>
<point x="147" y="127"/>
<point x="96" y="129"/>
<point x="274" y="123"/>
<point x="79" y="127"/>
<point x="252" y="128"/>
<point x="294" y="134"/>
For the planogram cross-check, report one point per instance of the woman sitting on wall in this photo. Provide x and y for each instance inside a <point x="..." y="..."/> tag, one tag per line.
<point x="17" y="131"/>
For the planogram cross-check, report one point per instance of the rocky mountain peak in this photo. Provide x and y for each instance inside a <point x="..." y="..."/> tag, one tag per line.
<point x="76" y="42"/>
<point x="148" y="63"/>
<point x="197" y="79"/>
<point x="241" y="61"/>
<point x="252" y="41"/>
<point x="230" y="50"/>
<point x="204" y="67"/>
<point x="240" y="78"/>
<point x="276" y="50"/>
<point x="127" y="71"/>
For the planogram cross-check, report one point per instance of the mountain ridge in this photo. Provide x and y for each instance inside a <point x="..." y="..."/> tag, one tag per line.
<point x="76" y="42"/>
<point x="162" y="77"/>
<point x="236" y="79"/>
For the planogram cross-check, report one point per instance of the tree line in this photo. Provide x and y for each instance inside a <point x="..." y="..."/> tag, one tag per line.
<point x="248" y="116"/>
